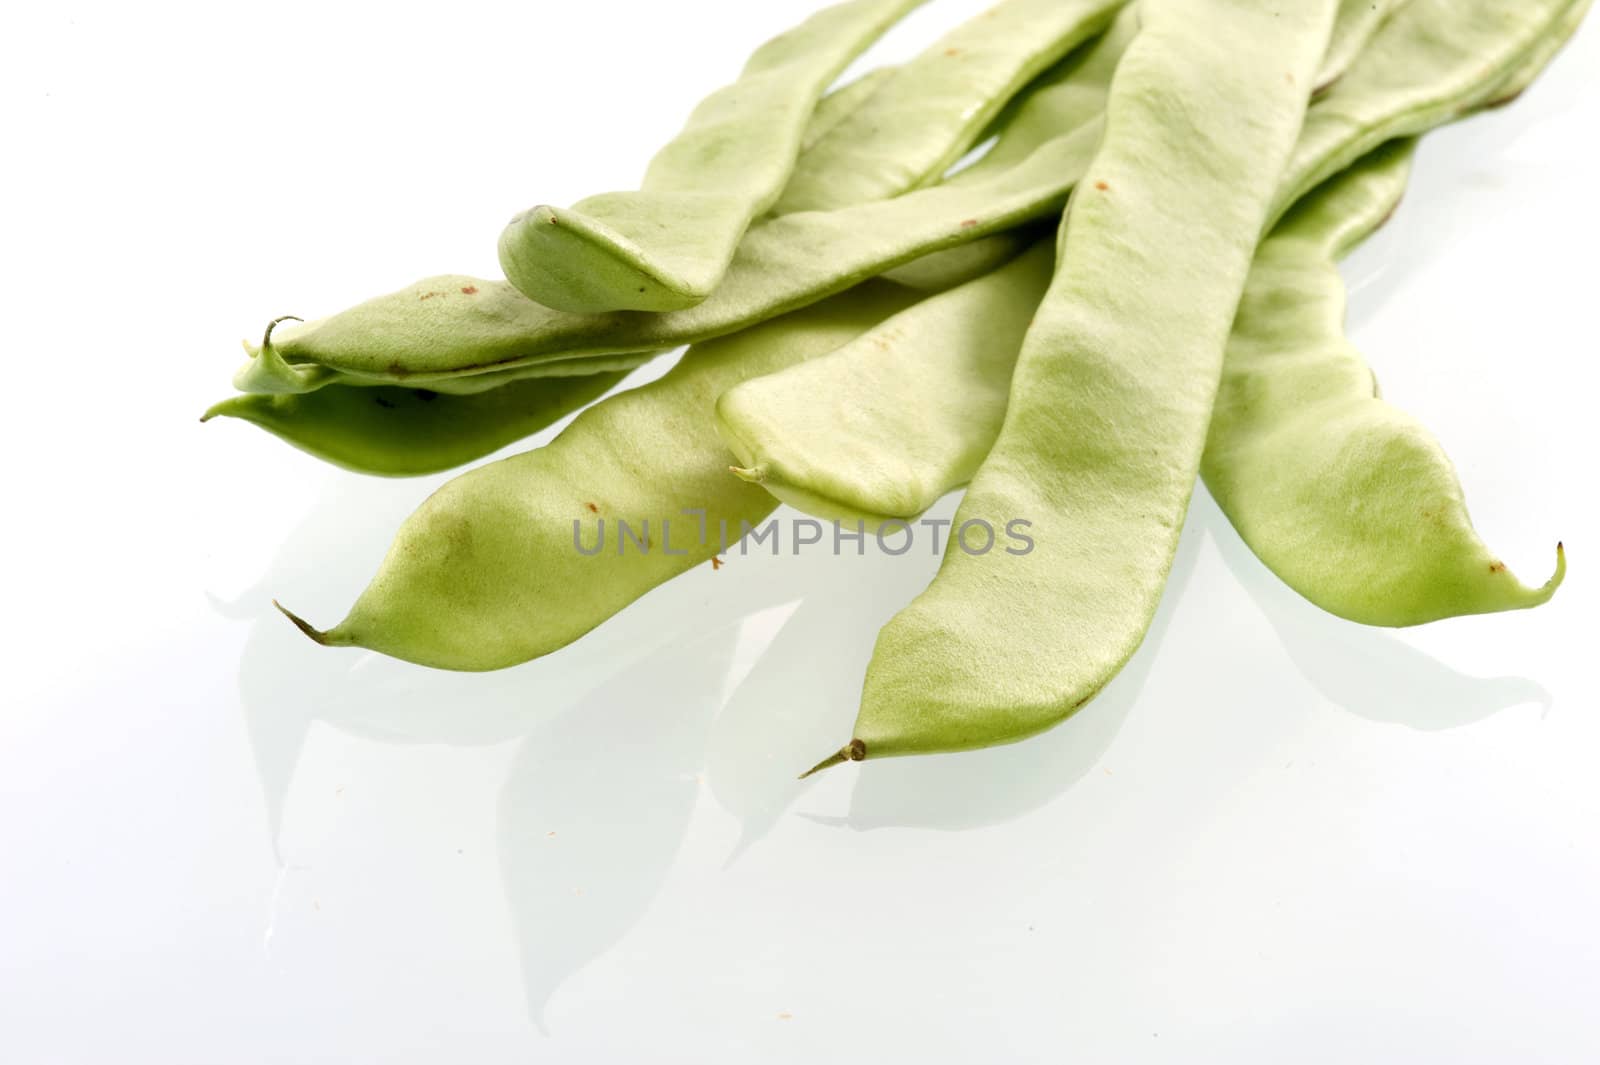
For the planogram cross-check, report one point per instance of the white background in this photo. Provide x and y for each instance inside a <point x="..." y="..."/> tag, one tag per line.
<point x="1278" y="837"/>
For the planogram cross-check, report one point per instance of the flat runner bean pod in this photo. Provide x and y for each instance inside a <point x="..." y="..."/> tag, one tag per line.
<point x="1430" y="62"/>
<point x="868" y="433"/>
<point x="931" y="111"/>
<point x="1070" y="98"/>
<point x="666" y="246"/>
<point x="442" y="331"/>
<point x="1353" y="27"/>
<point x="489" y="572"/>
<point x="895" y="438"/>
<point x="1112" y="394"/>
<point x="1350" y="501"/>
<point x="406" y="432"/>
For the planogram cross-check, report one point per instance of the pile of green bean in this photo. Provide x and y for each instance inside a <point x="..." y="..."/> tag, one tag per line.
<point x="1134" y="286"/>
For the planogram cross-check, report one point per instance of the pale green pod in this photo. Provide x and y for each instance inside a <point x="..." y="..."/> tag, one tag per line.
<point x="932" y="110"/>
<point x="1112" y="393"/>
<point x="406" y="432"/>
<point x="1069" y="98"/>
<point x="841" y="103"/>
<point x="489" y="571"/>
<point x="459" y="327"/>
<point x="1432" y="60"/>
<point x="1350" y="501"/>
<point x="667" y="245"/>
<point x="1353" y="27"/>
<point x="895" y="437"/>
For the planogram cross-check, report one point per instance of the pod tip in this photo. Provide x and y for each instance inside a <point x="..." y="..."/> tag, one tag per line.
<point x="316" y="635"/>
<point x="753" y="474"/>
<point x="854" y="751"/>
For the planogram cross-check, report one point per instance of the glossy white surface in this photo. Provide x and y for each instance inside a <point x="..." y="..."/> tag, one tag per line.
<point x="1278" y="837"/>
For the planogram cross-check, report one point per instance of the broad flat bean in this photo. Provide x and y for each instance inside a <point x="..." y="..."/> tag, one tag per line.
<point x="1112" y="394"/>
<point x="486" y="573"/>
<point x="896" y="437"/>
<point x="667" y="245"/>
<point x="931" y="110"/>
<point x="1349" y="500"/>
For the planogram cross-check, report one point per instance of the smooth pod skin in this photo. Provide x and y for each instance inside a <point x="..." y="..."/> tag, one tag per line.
<point x="1353" y="27"/>
<point x="487" y="573"/>
<point x="1068" y="99"/>
<point x="1431" y="61"/>
<point x="841" y="103"/>
<point x="407" y="432"/>
<point x="1350" y="501"/>
<point x="932" y="110"/>
<point x="666" y="246"/>
<point x="456" y="327"/>
<point x="1112" y="393"/>
<point x="892" y="440"/>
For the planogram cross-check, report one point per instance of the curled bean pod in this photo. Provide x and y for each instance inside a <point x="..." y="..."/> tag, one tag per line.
<point x="666" y="246"/>
<point x="1112" y="394"/>
<point x="1350" y="501"/>
<point x="504" y="563"/>
<point x="875" y="430"/>
<point x="931" y="110"/>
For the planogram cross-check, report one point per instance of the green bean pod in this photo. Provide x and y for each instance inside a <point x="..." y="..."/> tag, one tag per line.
<point x="931" y="110"/>
<point x="666" y="246"/>
<point x="441" y="332"/>
<point x="1071" y="97"/>
<point x="1350" y="501"/>
<point x="896" y="436"/>
<point x="1112" y="392"/>
<point x="504" y="563"/>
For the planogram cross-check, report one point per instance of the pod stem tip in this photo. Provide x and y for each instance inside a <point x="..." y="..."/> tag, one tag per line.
<point x="854" y="751"/>
<point x="316" y="635"/>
